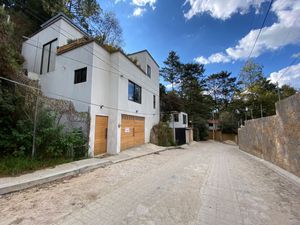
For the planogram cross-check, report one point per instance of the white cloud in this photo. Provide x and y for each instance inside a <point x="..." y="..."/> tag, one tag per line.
<point x="289" y="75"/>
<point x="283" y="32"/>
<point x="138" y="11"/>
<point x="296" y="55"/>
<point x="214" y="58"/>
<point x="143" y="3"/>
<point x="140" y="6"/>
<point x="202" y="60"/>
<point x="220" y="9"/>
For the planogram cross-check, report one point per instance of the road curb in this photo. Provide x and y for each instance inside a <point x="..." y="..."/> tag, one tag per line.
<point x="6" y="189"/>
<point x="39" y="180"/>
<point x="283" y="173"/>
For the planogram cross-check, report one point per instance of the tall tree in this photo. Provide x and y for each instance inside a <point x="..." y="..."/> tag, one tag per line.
<point x="222" y="87"/>
<point x="250" y="73"/>
<point x="103" y="26"/>
<point x="108" y="30"/>
<point x="172" y="69"/>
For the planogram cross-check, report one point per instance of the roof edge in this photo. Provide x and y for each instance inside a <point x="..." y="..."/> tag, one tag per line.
<point x="66" y="18"/>
<point x="145" y="50"/>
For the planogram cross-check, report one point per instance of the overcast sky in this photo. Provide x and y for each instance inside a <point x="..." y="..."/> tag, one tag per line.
<point x="217" y="33"/>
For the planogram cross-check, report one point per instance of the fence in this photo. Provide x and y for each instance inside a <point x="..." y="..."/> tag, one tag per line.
<point x="38" y="126"/>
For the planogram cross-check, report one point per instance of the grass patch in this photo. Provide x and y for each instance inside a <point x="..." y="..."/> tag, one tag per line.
<point x="12" y="166"/>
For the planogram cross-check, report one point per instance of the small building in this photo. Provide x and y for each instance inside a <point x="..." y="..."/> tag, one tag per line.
<point x="120" y="91"/>
<point x="183" y="134"/>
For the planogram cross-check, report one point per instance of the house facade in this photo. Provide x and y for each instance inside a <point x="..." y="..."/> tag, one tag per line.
<point x="121" y="92"/>
<point x="183" y="134"/>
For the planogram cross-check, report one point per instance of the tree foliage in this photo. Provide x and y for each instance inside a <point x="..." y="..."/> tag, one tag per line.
<point x="17" y="106"/>
<point x="172" y="69"/>
<point x="30" y="14"/>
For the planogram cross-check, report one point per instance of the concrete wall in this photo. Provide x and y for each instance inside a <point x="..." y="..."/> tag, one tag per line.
<point x="276" y="138"/>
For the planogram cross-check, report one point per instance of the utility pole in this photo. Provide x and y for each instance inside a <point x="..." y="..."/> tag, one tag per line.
<point x="213" y="125"/>
<point x="174" y="134"/>
<point x="34" y="125"/>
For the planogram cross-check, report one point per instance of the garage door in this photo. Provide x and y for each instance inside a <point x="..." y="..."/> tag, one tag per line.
<point x="132" y="131"/>
<point x="100" y="145"/>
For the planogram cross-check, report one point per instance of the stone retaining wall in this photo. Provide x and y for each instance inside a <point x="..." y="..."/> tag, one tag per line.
<point x="276" y="138"/>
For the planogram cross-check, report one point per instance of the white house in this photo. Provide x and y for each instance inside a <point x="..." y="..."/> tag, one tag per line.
<point x="120" y="91"/>
<point x="178" y="120"/>
<point x="183" y="134"/>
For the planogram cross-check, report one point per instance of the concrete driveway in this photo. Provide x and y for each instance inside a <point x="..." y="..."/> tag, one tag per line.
<point x="205" y="183"/>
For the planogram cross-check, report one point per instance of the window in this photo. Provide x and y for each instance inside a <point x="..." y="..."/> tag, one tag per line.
<point x="80" y="75"/>
<point x="176" y="119"/>
<point x="184" y="119"/>
<point x="154" y="101"/>
<point x="134" y="92"/>
<point x="148" y="71"/>
<point x="48" y="57"/>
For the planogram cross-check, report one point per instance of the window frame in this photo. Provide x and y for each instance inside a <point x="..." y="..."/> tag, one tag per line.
<point x="49" y="54"/>
<point x="184" y="119"/>
<point x="80" y="70"/>
<point x="135" y="87"/>
<point x="149" y="71"/>
<point x="176" y="117"/>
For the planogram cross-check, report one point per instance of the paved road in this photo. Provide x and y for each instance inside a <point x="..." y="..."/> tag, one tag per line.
<point x="207" y="183"/>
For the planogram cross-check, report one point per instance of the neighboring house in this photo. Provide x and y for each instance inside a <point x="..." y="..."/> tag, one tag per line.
<point x="179" y="120"/>
<point x="121" y="92"/>
<point x="213" y="125"/>
<point x="179" y="123"/>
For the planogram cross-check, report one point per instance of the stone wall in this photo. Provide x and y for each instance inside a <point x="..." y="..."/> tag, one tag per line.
<point x="276" y="138"/>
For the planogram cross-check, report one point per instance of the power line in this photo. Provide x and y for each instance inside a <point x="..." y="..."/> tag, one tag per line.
<point x="288" y="68"/>
<point x="73" y="99"/>
<point x="260" y="30"/>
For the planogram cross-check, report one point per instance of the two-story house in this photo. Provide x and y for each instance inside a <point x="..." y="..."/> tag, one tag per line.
<point x="121" y="92"/>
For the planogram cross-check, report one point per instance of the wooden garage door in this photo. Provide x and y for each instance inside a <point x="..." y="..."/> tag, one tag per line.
<point x="132" y="131"/>
<point x="100" y="145"/>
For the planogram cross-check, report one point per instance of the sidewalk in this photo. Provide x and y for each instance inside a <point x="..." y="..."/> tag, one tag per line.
<point x="12" y="184"/>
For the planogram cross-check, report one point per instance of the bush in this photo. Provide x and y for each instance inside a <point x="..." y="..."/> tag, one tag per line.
<point x="53" y="141"/>
<point x="162" y="134"/>
<point x="200" y="129"/>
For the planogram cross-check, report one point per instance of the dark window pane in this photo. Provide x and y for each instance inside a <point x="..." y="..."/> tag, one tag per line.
<point x="48" y="57"/>
<point x="131" y="91"/>
<point x="80" y="75"/>
<point x="137" y="93"/>
<point x="134" y="92"/>
<point x="176" y="118"/>
<point x="148" y="71"/>
<point x="184" y="119"/>
<point x="154" y="101"/>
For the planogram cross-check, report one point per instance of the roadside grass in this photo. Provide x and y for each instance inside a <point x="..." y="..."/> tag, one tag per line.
<point x="13" y="166"/>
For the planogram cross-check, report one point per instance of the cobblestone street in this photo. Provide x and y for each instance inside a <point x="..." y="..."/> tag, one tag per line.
<point x="205" y="183"/>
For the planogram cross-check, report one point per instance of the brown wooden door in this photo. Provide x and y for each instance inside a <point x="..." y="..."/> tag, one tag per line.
<point x="132" y="131"/>
<point x="100" y="145"/>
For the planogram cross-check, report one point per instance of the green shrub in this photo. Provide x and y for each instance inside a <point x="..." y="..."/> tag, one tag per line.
<point x="200" y="129"/>
<point x="162" y="134"/>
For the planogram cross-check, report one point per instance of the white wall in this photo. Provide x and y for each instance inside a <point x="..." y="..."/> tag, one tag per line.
<point x="61" y="80"/>
<point x="179" y="124"/>
<point x="32" y="48"/>
<point x="110" y="88"/>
